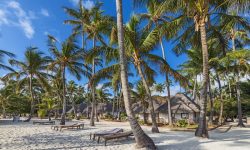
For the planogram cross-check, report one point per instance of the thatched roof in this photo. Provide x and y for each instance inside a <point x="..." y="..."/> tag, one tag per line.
<point x="101" y="108"/>
<point x="179" y="101"/>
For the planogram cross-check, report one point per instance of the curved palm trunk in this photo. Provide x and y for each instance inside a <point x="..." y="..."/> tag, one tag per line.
<point x="168" y="88"/>
<point x="92" y="116"/>
<point x="93" y="111"/>
<point x="74" y="108"/>
<point x="145" y="121"/>
<point x="240" y="123"/>
<point x="142" y="140"/>
<point x="4" y="111"/>
<point x="221" y="100"/>
<point x="32" y="109"/>
<point x="194" y="91"/>
<point x="64" y="98"/>
<point x="201" y="131"/>
<point x="150" y="100"/>
<point x="211" y="104"/>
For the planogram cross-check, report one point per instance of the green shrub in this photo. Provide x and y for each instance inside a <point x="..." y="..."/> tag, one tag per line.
<point x="41" y="113"/>
<point x="182" y="123"/>
<point x="123" y="116"/>
<point x="108" y="116"/>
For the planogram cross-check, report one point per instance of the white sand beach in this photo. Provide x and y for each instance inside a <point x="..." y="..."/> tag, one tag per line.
<point x="26" y="136"/>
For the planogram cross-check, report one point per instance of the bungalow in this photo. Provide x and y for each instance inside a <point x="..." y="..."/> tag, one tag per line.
<point x="182" y="107"/>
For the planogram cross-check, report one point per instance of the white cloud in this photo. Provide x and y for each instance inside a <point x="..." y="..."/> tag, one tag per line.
<point x="3" y="17"/>
<point x="45" y="12"/>
<point x="88" y="4"/>
<point x="13" y="14"/>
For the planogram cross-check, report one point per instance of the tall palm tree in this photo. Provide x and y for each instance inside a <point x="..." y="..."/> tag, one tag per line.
<point x="67" y="57"/>
<point x="71" y="90"/>
<point x="98" y="26"/>
<point x="80" y="17"/>
<point x="33" y="67"/>
<point x="156" y="17"/>
<point x="237" y="62"/>
<point x="142" y="140"/>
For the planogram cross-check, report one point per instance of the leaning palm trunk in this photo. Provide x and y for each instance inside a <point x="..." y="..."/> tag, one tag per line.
<point x="168" y="88"/>
<point x="93" y="111"/>
<point x="150" y="100"/>
<point x="92" y="116"/>
<point x="221" y="100"/>
<point x="74" y="108"/>
<point x="194" y="90"/>
<point x="240" y="123"/>
<point x="32" y="109"/>
<point x="201" y="131"/>
<point x="64" y="98"/>
<point x="211" y="104"/>
<point x="142" y="140"/>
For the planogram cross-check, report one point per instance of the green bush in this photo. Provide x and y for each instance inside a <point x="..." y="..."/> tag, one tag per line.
<point x="123" y="116"/>
<point x="182" y="123"/>
<point x="108" y="116"/>
<point x="41" y="113"/>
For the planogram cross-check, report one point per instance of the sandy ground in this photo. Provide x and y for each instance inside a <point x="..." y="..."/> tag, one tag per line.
<point x="25" y="136"/>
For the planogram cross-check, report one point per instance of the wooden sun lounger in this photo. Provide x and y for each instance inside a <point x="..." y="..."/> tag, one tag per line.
<point x="115" y="136"/>
<point x="105" y="132"/>
<point x="60" y="127"/>
<point x="44" y="122"/>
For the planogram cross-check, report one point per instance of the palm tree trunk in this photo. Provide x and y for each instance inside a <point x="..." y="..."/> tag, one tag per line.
<point x="194" y="91"/>
<point x="202" y="131"/>
<point x="49" y="115"/>
<point x="211" y="104"/>
<point x="74" y="108"/>
<point x="32" y="109"/>
<point x="142" y="140"/>
<point x="144" y="114"/>
<point x="64" y="97"/>
<point x="93" y="114"/>
<point x="230" y="90"/>
<point x="221" y="100"/>
<point x="113" y="106"/>
<point x="4" y="110"/>
<point x="168" y="87"/>
<point x="240" y="123"/>
<point x="150" y="100"/>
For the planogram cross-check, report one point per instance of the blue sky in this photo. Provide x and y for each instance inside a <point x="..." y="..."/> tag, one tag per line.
<point x="25" y="23"/>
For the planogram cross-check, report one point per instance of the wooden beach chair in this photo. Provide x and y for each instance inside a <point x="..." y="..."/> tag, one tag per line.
<point x="44" y="122"/>
<point x="105" y="132"/>
<point x="115" y="136"/>
<point x="72" y="126"/>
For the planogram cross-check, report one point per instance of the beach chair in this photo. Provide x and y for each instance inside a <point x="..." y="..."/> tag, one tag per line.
<point x="77" y="126"/>
<point x="72" y="126"/>
<point x="105" y="132"/>
<point x="115" y="136"/>
<point x="44" y="122"/>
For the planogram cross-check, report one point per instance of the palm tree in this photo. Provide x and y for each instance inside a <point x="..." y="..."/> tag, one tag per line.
<point x="140" y="94"/>
<point x="68" y="57"/>
<point x="80" y="17"/>
<point x="71" y="90"/>
<point x="98" y="26"/>
<point x="142" y="140"/>
<point x="237" y="62"/>
<point x="2" y="64"/>
<point x="33" y="67"/>
<point x="156" y="17"/>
